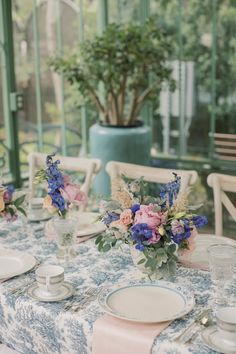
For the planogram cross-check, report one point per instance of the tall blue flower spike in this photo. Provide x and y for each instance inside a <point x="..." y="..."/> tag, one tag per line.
<point x="55" y="183"/>
<point x="169" y="191"/>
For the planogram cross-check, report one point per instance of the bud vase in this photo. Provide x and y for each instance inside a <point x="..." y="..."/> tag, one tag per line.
<point x="65" y="238"/>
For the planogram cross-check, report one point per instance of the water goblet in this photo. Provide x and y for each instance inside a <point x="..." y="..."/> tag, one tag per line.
<point x="221" y="259"/>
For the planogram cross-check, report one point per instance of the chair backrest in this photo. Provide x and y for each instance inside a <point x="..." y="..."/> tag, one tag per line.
<point x="150" y="174"/>
<point x="220" y="184"/>
<point x="89" y="167"/>
<point x="225" y="146"/>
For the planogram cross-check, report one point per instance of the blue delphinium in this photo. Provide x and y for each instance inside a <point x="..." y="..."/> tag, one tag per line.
<point x="199" y="221"/>
<point x="55" y="183"/>
<point x="169" y="191"/>
<point x="135" y="207"/>
<point x="140" y="233"/>
<point x="185" y="232"/>
<point x="110" y="217"/>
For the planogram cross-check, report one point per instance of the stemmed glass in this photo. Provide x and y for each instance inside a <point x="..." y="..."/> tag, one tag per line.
<point x="221" y="263"/>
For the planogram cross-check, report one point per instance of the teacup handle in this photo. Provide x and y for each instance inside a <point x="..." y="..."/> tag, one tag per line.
<point x="48" y="283"/>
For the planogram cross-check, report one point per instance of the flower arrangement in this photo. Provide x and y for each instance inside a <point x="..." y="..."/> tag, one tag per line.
<point x="10" y="207"/>
<point x="156" y="227"/>
<point x="62" y="193"/>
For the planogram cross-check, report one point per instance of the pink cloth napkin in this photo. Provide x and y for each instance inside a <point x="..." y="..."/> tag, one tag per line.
<point x="188" y="264"/>
<point x="114" y="336"/>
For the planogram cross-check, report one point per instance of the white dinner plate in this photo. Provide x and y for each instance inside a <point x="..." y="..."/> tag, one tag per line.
<point x="148" y="303"/>
<point x="13" y="262"/>
<point x="65" y="291"/>
<point x="216" y="341"/>
<point x="199" y="258"/>
<point x="87" y="224"/>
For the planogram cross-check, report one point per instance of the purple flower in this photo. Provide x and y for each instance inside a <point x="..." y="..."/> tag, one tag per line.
<point x="199" y="221"/>
<point x="177" y="227"/>
<point x="140" y="233"/>
<point x="135" y="207"/>
<point x="186" y="232"/>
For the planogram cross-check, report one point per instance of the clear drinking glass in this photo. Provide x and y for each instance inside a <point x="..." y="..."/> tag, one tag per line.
<point x="65" y="238"/>
<point x="221" y="263"/>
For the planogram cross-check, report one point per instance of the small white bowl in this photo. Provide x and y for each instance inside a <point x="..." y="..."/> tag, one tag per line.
<point x="226" y="323"/>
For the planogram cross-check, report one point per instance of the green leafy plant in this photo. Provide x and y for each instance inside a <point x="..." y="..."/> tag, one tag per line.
<point x="131" y="64"/>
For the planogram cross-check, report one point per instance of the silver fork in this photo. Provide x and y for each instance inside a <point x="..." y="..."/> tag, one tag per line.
<point x="88" y="292"/>
<point x="94" y="295"/>
<point x="197" y="321"/>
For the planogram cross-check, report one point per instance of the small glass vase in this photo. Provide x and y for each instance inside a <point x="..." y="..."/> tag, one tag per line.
<point x="65" y="238"/>
<point x="157" y="274"/>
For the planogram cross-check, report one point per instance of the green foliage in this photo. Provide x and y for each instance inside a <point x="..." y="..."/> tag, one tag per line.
<point x="130" y="61"/>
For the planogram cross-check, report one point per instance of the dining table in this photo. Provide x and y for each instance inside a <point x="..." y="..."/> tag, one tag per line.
<point x="34" y="327"/>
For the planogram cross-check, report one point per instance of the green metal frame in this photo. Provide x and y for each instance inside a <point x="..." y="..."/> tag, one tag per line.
<point x="9" y="88"/>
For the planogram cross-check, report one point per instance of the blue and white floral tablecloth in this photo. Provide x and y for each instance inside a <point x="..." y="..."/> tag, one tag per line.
<point x="32" y="327"/>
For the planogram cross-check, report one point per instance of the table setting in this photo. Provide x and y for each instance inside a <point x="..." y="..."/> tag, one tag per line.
<point x="102" y="299"/>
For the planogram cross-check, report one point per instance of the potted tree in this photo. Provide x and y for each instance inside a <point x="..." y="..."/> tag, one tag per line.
<point x="117" y="72"/>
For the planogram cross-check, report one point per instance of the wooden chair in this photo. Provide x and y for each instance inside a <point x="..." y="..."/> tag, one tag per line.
<point x="220" y="184"/>
<point x="150" y="174"/>
<point x="89" y="167"/>
<point x="224" y="146"/>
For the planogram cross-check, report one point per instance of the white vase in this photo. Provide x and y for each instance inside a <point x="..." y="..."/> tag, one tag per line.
<point x="65" y="238"/>
<point x="138" y="256"/>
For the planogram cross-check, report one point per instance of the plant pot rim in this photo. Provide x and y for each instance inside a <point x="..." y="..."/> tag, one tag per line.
<point x="136" y="124"/>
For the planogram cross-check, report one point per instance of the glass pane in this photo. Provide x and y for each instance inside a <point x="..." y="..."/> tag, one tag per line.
<point x="124" y="11"/>
<point x="51" y="118"/>
<point x="4" y="160"/>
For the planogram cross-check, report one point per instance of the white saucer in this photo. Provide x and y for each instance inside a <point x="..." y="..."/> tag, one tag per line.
<point x="214" y="340"/>
<point x="66" y="291"/>
<point x="37" y="215"/>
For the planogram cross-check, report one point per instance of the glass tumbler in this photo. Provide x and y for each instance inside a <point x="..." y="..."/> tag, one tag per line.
<point x="221" y="264"/>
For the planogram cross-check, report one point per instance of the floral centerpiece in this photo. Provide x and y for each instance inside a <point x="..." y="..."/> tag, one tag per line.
<point x="155" y="227"/>
<point x="10" y="207"/>
<point x="61" y="196"/>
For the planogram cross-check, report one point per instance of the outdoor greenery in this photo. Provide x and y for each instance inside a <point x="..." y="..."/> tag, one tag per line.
<point x="129" y="61"/>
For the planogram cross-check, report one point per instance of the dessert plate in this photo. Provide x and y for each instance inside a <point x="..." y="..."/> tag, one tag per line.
<point x="148" y="303"/>
<point x="13" y="262"/>
<point x="66" y="291"/>
<point x="37" y="215"/>
<point x="87" y="224"/>
<point x="199" y="258"/>
<point x="214" y="340"/>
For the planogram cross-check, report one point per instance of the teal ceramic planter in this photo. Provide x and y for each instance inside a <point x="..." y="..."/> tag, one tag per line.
<point x="125" y="144"/>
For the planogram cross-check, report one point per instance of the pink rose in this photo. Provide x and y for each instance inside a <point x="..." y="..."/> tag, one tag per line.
<point x="155" y="238"/>
<point x="147" y="216"/>
<point x="66" y="179"/>
<point x="120" y="226"/>
<point x="72" y="194"/>
<point x="126" y="217"/>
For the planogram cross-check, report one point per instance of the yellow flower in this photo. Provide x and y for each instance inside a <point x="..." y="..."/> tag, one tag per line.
<point x="161" y="230"/>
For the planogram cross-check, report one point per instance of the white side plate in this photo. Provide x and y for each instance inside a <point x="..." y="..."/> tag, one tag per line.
<point x="214" y="340"/>
<point x="199" y="258"/>
<point x="148" y="303"/>
<point x="87" y="224"/>
<point x="14" y="263"/>
<point x="66" y="291"/>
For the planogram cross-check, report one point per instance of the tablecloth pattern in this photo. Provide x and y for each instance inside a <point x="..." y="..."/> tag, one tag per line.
<point x="33" y="327"/>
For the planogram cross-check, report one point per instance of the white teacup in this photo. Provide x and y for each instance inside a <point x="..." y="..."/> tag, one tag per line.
<point x="226" y="323"/>
<point x="36" y="203"/>
<point x="50" y="278"/>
